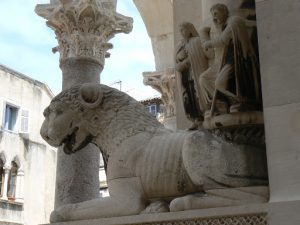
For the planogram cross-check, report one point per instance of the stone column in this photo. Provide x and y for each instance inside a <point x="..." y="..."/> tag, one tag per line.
<point x="183" y="12"/>
<point x="83" y="29"/>
<point x="19" y="186"/>
<point x="6" y="174"/>
<point x="164" y="82"/>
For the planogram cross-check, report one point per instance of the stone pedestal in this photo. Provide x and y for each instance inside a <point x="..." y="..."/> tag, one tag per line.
<point x="83" y="29"/>
<point x="283" y="213"/>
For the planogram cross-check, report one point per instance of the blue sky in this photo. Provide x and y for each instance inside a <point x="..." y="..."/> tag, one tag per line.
<point x="26" y="43"/>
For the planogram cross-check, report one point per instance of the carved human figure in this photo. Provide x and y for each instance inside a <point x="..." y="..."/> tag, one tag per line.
<point x="191" y="61"/>
<point x="189" y="47"/>
<point x="239" y="78"/>
<point x="207" y="78"/>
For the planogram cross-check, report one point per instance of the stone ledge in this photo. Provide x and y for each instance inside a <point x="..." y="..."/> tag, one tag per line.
<point x="11" y="205"/>
<point x="9" y="223"/>
<point x="254" y="214"/>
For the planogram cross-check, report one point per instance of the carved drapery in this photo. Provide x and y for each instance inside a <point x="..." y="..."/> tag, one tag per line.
<point x="227" y="89"/>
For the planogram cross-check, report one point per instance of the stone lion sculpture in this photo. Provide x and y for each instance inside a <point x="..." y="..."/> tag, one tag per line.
<point x="150" y="168"/>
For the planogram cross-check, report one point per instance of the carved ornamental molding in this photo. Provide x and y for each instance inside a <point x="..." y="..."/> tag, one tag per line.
<point x="255" y="219"/>
<point x="84" y="27"/>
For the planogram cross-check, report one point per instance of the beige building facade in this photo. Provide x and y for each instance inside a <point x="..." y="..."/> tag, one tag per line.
<point x="27" y="163"/>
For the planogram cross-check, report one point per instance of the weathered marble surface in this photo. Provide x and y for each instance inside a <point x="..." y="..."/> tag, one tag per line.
<point x="148" y="163"/>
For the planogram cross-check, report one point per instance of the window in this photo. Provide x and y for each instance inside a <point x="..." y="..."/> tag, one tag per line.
<point x="11" y="115"/>
<point x="15" y="119"/>
<point x="12" y="180"/>
<point x="152" y="109"/>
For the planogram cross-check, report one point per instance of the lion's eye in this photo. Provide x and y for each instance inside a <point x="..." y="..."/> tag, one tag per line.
<point x="59" y="112"/>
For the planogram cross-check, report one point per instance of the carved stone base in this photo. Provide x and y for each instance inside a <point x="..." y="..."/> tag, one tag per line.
<point x="236" y="119"/>
<point x="274" y="213"/>
<point x="238" y="127"/>
<point x="241" y="215"/>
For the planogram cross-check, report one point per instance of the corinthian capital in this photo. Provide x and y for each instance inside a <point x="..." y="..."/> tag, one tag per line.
<point x="164" y="82"/>
<point x="84" y="27"/>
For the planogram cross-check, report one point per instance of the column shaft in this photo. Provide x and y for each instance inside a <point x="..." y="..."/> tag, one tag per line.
<point x="4" y="193"/>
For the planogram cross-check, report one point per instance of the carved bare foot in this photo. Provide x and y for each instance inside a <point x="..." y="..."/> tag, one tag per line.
<point x="194" y="126"/>
<point x="156" y="207"/>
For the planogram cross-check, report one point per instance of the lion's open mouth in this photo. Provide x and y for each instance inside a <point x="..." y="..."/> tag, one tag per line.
<point x="70" y="141"/>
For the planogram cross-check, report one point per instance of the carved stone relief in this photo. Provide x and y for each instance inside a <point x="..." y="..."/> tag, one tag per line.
<point x="219" y="72"/>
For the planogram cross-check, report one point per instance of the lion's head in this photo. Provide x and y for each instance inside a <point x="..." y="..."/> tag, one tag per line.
<point x="66" y="117"/>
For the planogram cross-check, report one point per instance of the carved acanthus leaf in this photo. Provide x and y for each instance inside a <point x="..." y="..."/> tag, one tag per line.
<point x="84" y="27"/>
<point x="163" y="82"/>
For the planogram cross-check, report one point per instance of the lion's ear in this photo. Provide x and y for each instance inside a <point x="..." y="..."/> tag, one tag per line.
<point x="91" y="95"/>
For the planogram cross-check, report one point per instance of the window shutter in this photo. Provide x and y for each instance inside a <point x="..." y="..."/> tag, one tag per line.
<point x="24" y="121"/>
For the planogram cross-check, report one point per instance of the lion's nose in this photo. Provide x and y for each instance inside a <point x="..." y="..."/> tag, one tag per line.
<point x="47" y="137"/>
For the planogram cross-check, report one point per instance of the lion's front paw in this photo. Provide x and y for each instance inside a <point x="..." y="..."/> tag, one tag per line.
<point x="62" y="213"/>
<point x="56" y="217"/>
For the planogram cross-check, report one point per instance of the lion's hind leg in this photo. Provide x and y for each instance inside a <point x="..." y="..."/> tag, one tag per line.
<point x="198" y="152"/>
<point x="220" y="198"/>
